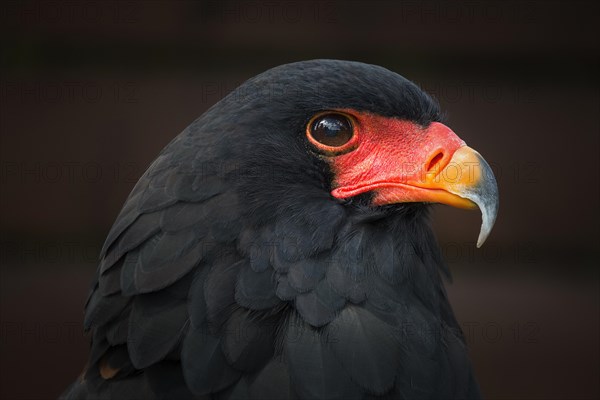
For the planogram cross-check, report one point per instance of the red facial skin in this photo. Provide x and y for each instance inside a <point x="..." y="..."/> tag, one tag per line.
<point x="399" y="161"/>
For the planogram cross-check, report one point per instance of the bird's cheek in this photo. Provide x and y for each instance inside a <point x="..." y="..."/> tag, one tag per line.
<point x="393" y="158"/>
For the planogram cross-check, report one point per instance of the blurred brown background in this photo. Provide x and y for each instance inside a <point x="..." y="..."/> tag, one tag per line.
<point x="92" y="90"/>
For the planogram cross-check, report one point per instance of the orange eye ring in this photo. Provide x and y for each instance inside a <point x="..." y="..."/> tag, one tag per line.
<point x="332" y="132"/>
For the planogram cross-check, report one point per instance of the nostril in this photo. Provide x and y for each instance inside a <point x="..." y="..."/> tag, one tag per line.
<point x="435" y="161"/>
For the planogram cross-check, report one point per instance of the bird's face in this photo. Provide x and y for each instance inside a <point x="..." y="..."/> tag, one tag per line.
<point x="399" y="161"/>
<point x="379" y="136"/>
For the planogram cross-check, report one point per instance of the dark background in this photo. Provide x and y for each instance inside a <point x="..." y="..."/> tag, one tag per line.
<point x="92" y="90"/>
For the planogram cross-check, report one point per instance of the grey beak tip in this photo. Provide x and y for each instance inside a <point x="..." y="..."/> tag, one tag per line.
<point x="486" y="197"/>
<point x="488" y="201"/>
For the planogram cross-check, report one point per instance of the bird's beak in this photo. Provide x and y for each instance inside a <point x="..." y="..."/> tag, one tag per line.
<point x="469" y="177"/>
<point x="437" y="168"/>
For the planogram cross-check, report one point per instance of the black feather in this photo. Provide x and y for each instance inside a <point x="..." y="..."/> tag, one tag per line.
<point x="144" y="227"/>
<point x="284" y="291"/>
<point x="238" y="391"/>
<point x="272" y="382"/>
<point x="314" y="371"/>
<point x="128" y="273"/>
<point x="117" y="329"/>
<point x="305" y="274"/>
<point x="197" y="308"/>
<point x="133" y="387"/>
<point x="117" y="358"/>
<point x="248" y="341"/>
<point x="204" y="366"/>
<point x="182" y="216"/>
<point x="99" y="346"/>
<point x="256" y="246"/>
<point x="219" y="290"/>
<point x="166" y="382"/>
<point x="166" y="258"/>
<point x="156" y="324"/>
<point x="155" y="198"/>
<point x="102" y="309"/>
<point x="366" y="347"/>
<point x="319" y="306"/>
<point x="256" y="290"/>
<point x="345" y="285"/>
<point x="110" y="281"/>
<point x="193" y="187"/>
<point x="128" y="214"/>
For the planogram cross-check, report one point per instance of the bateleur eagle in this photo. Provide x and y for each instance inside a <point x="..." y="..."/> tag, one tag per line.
<point x="279" y="248"/>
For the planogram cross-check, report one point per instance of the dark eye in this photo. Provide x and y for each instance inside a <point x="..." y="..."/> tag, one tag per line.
<point x="332" y="130"/>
